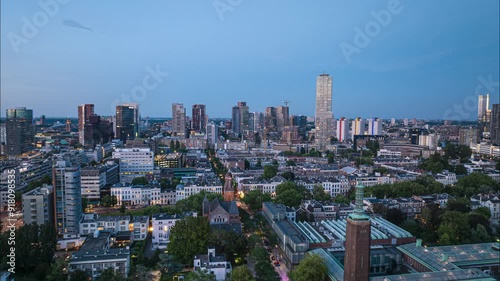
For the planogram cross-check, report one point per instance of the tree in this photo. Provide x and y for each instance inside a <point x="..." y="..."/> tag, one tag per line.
<point x="320" y="194"/>
<point x="247" y="164"/>
<point x="473" y="183"/>
<point x="199" y="275"/>
<point x="123" y="209"/>
<point x="78" y="275"/>
<point x="291" y="194"/>
<point x="311" y="268"/>
<point x="241" y="273"/>
<point x="177" y="144"/>
<point x="290" y="163"/>
<point x="228" y="242"/>
<point x="188" y="237"/>
<point x="255" y="198"/>
<point x="480" y="235"/>
<point x="168" y="264"/>
<point x="395" y="216"/>
<point x="142" y="273"/>
<point x="454" y="228"/>
<point x="498" y="165"/>
<point x="258" y="164"/>
<point x="289" y="176"/>
<point x="341" y="199"/>
<point x="270" y="171"/>
<point x="58" y="270"/>
<point x="461" y="205"/>
<point x="140" y="181"/>
<point x="85" y="202"/>
<point x="331" y="159"/>
<point x="41" y="271"/>
<point x="263" y="268"/>
<point x="109" y="275"/>
<point x="460" y="170"/>
<point x="485" y="211"/>
<point x="454" y="151"/>
<point x="172" y="145"/>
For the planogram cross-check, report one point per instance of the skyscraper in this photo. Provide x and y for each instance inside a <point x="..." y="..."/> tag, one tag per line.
<point x="495" y="124"/>
<point x="84" y="113"/>
<point x="127" y="121"/>
<point x="270" y="119"/>
<point x="342" y="129"/>
<point x="199" y="120"/>
<point x="357" y="244"/>
<point x="97" y="131"/>
<point x="324" y="114"/>
<point x="67" y="198"/>
<point x="483" y="104"/>
<point x="358" y="127"/>
<point x="282" y="118"/>
<point x="19" y="131"/>
<point x="235" y="119"/>
<point x="240" y="118"/>
<point x="374" y="126"/>
<point x="179" y="119"/>
<point x="212" y="134"/>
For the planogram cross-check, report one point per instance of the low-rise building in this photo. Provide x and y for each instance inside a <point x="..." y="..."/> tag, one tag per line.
<point x="162" y="225"/>
<point x="38" y="205"/>
<point x="215" y="264"/>
<point x="139" y="227"/>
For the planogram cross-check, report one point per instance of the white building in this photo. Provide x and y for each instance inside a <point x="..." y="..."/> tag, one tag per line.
<point x="358" y="127"/>
<point x="342" y="129"/>
<point x="391" y="153"/>
<point x="140" y="226"/>
<point x="333" y="186"/>
<point x="212" y="134"/>
<point x="446" y="178"/>
<point x="264" y="186"/>
<point x="134" y="163"/>
<point x="183" y="192"/>
<point x="216" y="264"/>
<point x="324" y="114"/>
<point x="375" y="126"/>
<point x="136" y="195"/>
<point x="68" y="199"/>
<point x="491" y="202"/>
<point x="162" y="225"/>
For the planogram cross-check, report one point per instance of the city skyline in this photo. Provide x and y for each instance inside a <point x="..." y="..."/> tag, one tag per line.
<point x="445" y="58"/>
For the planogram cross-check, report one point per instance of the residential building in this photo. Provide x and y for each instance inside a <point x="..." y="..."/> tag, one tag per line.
<point x="215" y="264"/>
<point x="324" y="114"/>
<point x="67" y="198"/>
<point x="92" y="180"/>
<point x="374" y="126"/>
<point x="468" y="136"/>
<point x="358" y="127"/>
<point x="199" y="118"/>
<point x="134" y="162"/>
<point x="184" y="191"/>
<point x="212" y="134"/>
<point x="132" y="195"/>
<point x="162" y="225"/>
<point x="38" y="205"/>
<point x="179" y="120"/>
<point x="342" y="129"/>
<point x="139" y="227"/>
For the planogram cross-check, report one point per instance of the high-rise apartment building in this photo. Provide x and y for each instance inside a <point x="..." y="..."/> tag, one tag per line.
<point x="38" y="205"/>
<point x="483" y="105"/>
<point x="467" y="136"/>
<point x="84" y="113"/>
<point x="97" y="131"/>
<point x="199" y="120"/>
<point x="324" y="114"/>
<point x="357" y="244"/>
<point x="127" y="121"/>
<point x="358" y="127"/>
<point x="375" y="126"/>
<point x="212" y="134"/>
<point x="235" y="119"/>
<point x="19" y="131"/>
<point x="342" y="129"/>
<point x="240" y="118"/>
<point x="270" y="122"/>
<point x="179" y="119"/>
<point x="67" y="198"/>
<point x="495" y="124"/>
<point x="92" y="180"/>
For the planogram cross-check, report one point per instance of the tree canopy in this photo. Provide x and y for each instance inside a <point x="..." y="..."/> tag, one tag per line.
<point x="313" y="267"/>
<point x="291" y="194"/>
<point x="241" y="273"/>
<point x="270" y="171"/>
<point x="320" y="194"/>
<point x="255" y="198"/>
<point x="188" y="237"/>
<point x="140" y="181"/>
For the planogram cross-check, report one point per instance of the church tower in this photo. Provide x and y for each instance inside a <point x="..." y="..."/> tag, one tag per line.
<point x="228" y="187"/>
<point x="357" y="244"/>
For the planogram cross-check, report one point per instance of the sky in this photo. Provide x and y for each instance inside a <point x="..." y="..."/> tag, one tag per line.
<point x="425" y="59"/>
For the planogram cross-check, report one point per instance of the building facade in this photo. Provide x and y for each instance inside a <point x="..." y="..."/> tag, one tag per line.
<point x="324" y="114"/>
<point x="67" y="198"/>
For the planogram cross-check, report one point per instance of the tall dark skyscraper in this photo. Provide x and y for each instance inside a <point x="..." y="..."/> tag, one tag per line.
<point x="270" y="119"/>
<point x="20" y="133"/>
<point x="495" y="124"/>
<point x="98" y="131"/>
<point x="84" y="113"/>
<point x="199" y="120"/>
<point x="235" y="119"/>
<point x="179" y="119"/>
<point x="127" y="121"/>
<point x="357" y="244"/>
<point x="240" y="118"/>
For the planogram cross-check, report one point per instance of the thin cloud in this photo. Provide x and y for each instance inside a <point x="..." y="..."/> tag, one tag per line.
<point x="75" y="24"/>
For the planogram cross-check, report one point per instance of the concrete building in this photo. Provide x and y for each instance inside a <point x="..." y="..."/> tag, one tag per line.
<point x="215" y="264"/>
<point x="134" y="163"/>
<point x="139" y="227"/>
<point x="324" y="114"/>
<point x="468" y="136"/>
<point x="136" y="195"/>
<point x="19" y="131"/>
<point x="66" y="182"/>
<point x="179" y="120"/>
<point x="342" y="129"/>
<point x="92" y="180"/>
<point x="495" y="124"/>
<point x="97" y="254"/>
<point x="282" y="118"/>
<point x="357" y="127"/>
<point x="84" y="113"/>
<point x="483" y="105"/>
<point x="38" y="205"/>
<point x="199" y="118"/>
<point x="374" y="126"/>
<point x="212" y="134"/>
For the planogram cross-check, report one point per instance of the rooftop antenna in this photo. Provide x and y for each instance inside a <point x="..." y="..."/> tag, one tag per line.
<point x="286" y="102"/>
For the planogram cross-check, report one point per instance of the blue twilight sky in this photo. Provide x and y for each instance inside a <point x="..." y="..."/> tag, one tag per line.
<point x="425" y="61"/>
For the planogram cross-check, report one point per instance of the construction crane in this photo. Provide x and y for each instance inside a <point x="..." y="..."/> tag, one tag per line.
<point x="286" y="102"/>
